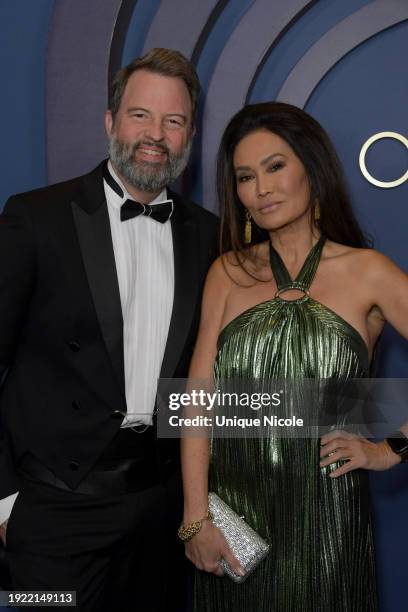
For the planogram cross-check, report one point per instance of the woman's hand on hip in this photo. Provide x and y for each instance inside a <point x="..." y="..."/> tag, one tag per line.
<point x="357" y="452"/>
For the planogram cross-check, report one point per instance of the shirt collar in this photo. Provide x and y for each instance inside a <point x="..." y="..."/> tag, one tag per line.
<point x="116" y="199"/>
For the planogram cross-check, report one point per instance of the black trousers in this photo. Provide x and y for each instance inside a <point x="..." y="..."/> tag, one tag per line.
<point x="118" y="552"/>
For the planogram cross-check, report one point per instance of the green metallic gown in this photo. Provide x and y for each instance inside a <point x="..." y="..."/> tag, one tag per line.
<point x="322" y="556"/>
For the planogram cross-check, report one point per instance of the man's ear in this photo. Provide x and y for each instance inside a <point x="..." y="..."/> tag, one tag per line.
<point x="108" y="123"/>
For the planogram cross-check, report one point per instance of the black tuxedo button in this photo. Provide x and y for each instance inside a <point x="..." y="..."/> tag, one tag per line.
<point x="74" y="465"/>
<point x="74" y="346"/>
<point x="76" y="405"/>
<point x="117" y="414"/>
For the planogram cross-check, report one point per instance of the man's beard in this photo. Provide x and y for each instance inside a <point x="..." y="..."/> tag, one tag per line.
<point x="144" y="175"/>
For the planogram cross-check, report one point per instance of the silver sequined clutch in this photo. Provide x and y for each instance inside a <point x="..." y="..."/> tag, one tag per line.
<point x="246" y="544"/>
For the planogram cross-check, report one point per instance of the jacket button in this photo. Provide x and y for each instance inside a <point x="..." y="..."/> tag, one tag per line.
<point x="74" y="346"/>
<point x="76" y="405"/>
<point x="74" y="465"/>
<point x="117" y="414"/>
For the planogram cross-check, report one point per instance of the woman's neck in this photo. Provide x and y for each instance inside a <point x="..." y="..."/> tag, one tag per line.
<point x="294" y="242"/>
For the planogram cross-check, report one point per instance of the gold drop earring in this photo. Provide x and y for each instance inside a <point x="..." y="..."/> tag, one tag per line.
<point x="248" y="228"/>
<point x="317" y="209"/>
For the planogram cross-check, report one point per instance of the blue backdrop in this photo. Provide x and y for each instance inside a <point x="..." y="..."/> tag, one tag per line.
<point x="343" y="61"/>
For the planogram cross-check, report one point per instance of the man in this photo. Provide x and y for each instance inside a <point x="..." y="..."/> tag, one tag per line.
<point x="100" y="286"/>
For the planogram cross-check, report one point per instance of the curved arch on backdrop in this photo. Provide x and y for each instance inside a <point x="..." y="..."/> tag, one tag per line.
<point x="206" y="30"/>
<point x="273" y="46"/>
<point x="215" y="33"/>
<point x="335" y="44"/>
<point x="141" y="20"/>
<point x="165" y="30"/>
<point x="285" y="52"/>
<point x="119" y="36"/>
<point x="233" y="75"/>
<point x="76" y="85"/>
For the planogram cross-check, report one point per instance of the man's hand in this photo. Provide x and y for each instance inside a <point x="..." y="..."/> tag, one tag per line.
<point x="3" y="529"/>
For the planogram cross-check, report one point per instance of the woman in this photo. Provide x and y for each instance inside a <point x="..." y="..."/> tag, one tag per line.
<point x="279" y="176"/>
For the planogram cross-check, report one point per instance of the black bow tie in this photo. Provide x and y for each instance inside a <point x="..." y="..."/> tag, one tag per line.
<point x="129" y="209"/>
<point x="159" y="212"/>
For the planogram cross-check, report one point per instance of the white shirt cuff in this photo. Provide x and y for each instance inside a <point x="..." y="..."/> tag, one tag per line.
<point x="6" y="505"/>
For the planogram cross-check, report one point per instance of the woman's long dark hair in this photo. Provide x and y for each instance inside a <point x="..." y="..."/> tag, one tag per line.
<point x="313" y="147"/>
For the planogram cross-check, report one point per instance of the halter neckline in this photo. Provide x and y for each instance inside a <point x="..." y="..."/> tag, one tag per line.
<point x="307" y="273"/>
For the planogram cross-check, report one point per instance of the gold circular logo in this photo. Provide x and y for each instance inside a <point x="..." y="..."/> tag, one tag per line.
<point x="363" y="152"/>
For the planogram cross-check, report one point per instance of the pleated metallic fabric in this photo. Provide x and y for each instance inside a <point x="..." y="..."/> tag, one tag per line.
<point x="322" y="556"/>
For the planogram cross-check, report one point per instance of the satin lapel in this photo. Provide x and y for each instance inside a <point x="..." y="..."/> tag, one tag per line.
<point x="93" y="227"/>
<point x="186" y="275"/>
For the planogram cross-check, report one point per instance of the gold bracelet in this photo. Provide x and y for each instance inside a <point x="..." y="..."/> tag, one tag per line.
<point x="185" y="533"/>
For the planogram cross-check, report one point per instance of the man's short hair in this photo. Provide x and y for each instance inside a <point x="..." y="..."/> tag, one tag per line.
<point x="166" y="62"/>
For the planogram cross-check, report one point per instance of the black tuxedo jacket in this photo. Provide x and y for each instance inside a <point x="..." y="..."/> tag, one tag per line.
<point x="61" y="345"/>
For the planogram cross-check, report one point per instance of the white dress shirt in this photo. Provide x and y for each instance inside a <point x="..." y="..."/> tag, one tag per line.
<point x="144" y="259"/>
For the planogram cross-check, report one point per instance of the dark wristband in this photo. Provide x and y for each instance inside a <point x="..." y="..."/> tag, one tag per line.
<point x="398" y="443"/>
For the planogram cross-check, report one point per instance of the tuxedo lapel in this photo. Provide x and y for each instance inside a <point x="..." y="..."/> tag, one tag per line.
<point x="186" y="275"/>
<point x="91" y="219"/>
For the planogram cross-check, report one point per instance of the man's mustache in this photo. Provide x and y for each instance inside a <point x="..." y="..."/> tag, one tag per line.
<point x="145" y="143"/>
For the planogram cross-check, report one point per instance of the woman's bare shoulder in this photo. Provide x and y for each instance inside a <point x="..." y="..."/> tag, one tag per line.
<point x="242" y="269"/>
<point x="367" y="265"/>
<point x="360" y="256"/>
<point x="218" y="282"/>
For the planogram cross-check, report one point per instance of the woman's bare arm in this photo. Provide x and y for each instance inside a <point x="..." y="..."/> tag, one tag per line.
<point x="195" y="450"/>
<point x="387" y="288"/>
<point x="208" y="546"/>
